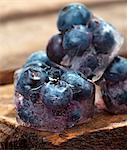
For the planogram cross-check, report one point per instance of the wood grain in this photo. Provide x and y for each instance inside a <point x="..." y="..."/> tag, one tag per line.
<point x="20" y="37"/>
<point x="104" y="131"/>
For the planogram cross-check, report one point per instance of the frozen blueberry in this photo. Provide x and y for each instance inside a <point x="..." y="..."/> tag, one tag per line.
<point x="62" y="100"/>
<point x="117" y="70"/>
<point x="30" y="78"/>
<point x="56" y="94"/>
<point x="74" y="113"/>
<point x="103" y="38"/>
<point x="93" y="51"/>
<point x="77" y="39"/>
<point x="73" y="14"/>
<point x="39" y="58"/>
<point x="93" y="25"/>
<point x="114" y="86"/>
<point x="34" y="95"/>
<point x="55" y="50"/>
<point x="82" y="89"/>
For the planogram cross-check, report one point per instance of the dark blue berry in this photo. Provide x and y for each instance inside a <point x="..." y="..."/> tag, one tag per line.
<point x="34" y="95"/>
<point x="25" y="113"/>
<point x="79" y="85"/>
<point x="73" y="14"/>
<point x="122" y="97"/>
<point x="30" y="78"/>
<point x="75" y="115"/>
<point x="103" y="38"/>
<point x="78" y="39"/>
<point x="56" y="94"/>
<point x="92" y="62"/>
<point x="38" y="58"/>
<point x="115" y="97"/>
<point x="117" y="70"/>
<point x="55" y="50"/>
<point x="114" y="86"/>
<point x="93" y="25"/>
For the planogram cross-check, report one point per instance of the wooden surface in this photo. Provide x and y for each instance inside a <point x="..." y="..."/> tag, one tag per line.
<point x="104" y="131"/>
<point x="26" y="28"/>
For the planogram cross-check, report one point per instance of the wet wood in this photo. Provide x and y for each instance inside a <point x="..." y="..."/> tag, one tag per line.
<point x="104" y="131"/>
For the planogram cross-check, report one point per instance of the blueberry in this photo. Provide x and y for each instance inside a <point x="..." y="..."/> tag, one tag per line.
<point x="56" y="94"/>
<point x="93" y="25"/>
<point x="78" y="39"/>
<point x="38" y="58"/>
<point x="103" y="38"/>
<point x="30" y="78"/>
<point x="73" y="14"/>
<point x="117" y="70"/>
<point x="55" y="50"/>
<point x="34" y="95"/>
<point x="92" y="62"/>
<point x="36" y="76"/>
<point x="122" y="98"/>
<point x="115" y="97"/>
<point x="25" y="113"/>
<point x="75" y="115"/>
<point x="114" y="86"/>
<point x="80" y="86"/>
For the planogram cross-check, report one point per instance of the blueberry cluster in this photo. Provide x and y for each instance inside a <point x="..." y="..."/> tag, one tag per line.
<point x="56" y="90"/>
<point x="85" y="43"/>
<point x="50" y="97"/>
<point x="114" y="86"/>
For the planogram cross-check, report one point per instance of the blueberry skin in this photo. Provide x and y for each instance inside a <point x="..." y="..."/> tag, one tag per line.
<point x="75" y="115"/>
<point x="114" y="86"/>
<point x="103" y="38"/>
<point x="93" y="25"/>
<point x="30" y="78"/>
<point x="80" y="86"/>
<point x="56" y="95"/>
<point x="38" y="58"/>
<point x="55" y="73"/>
<point x="117" y="70"/>
<point x="34" y="95"/>
<point x="25" y="113"/>
<point x="115" y="103"/>
<point x="73" y="14"/>
<point x="78" y="39"/>
<point x="55" y="50"/>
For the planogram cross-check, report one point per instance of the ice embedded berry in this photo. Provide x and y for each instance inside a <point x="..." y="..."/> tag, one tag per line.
<point x="117" y="70"/>
<point x="52" y="99"/>
<point x="93" y="57"/>
<point x="77" y="39"/>
<point x="55" y="50"/>
<point x="114" y="86"/>
<point x="103" y="37"/>
<point x="73" y="14"/>
<point x="39" y="58"/>
<point x="30" y="78"/>
<point x="82" y="89"/>
<point x="56" y="94"/>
